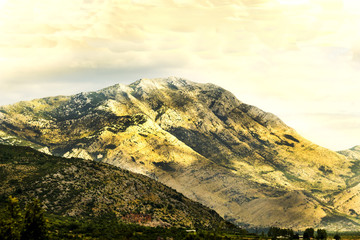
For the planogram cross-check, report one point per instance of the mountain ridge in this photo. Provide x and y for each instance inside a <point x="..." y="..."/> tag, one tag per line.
<point x="84" y="189"/>
<point x="198" y="139"/>
<point x="353" y="153"/>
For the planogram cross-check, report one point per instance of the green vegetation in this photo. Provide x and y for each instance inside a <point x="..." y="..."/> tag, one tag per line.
<point x="337" y="237"/>
<point x="34" y="222"/>
<point x="88" y="189"/>
<point x="120" y="124"/>
<point x="31" y="224"/>
<point x="90" y="200"/>
<point x="197" y="138"/>
<point x="275" y="232"/>
<point x="309" y="233"/>
<point x="19" y="225"/>
<point x="11" y="220"/>
<point x="291" y="138"/>
<point x="325" y="170"/>
<point x="321" y="234"/>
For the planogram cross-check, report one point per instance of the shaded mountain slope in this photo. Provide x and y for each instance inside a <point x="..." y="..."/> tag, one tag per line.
<point x="197" y="138"/>
<point x="348" y="201"/>
<point x="81" y="188"/>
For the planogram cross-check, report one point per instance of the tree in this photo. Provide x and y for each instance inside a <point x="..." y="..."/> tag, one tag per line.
<point x="337" y="237"/>
<point x="309" y="233"/>
<point x="321" y="234"/>
<point x="11" y="221"/>
<point x="289" y="233"/>
<point x="34" y="222"/>
<point x="273" y="232"/>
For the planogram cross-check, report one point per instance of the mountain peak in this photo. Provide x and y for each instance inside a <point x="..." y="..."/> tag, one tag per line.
<point x="152" y="83"/>
<point x="197" y="138"/>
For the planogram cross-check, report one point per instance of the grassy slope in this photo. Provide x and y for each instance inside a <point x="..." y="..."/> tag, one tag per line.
<point x="80" y="188"/>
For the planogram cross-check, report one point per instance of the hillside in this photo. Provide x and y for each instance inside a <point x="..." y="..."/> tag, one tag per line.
<point x="243" y="162"/>
<point x="349" y="201"/>
<point x="80" y="188"/>
<point x="353" y="153"/>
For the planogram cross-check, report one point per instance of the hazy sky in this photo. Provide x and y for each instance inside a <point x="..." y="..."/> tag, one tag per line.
<point x="299" y="59"/>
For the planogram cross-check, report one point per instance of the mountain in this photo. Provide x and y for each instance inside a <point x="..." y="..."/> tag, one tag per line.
<point x="243" y="162"/>
<point x="353" y="153"/>
<point x="82" y="188"/>
<point x="349" y="201"/>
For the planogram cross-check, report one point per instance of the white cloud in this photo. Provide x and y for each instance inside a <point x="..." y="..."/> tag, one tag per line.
<point x="289" y="57"/>
<point x="293" y="2"/>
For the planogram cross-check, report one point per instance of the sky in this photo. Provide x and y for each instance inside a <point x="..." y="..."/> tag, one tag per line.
<point x="299" y="59"/>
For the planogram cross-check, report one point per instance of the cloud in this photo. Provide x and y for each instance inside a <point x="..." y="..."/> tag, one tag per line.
<point x="329" y="128"/>
<point x="283" y="56"/>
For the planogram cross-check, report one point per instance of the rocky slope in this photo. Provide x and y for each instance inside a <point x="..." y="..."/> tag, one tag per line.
<point x="353" y="153"/>
<point x="199" y="139"/>
<point x="348" y="201"/>
<point x="82" y="188"/>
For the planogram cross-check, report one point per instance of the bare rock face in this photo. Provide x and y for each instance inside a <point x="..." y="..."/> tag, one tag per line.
<point x="199" y="139"/>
